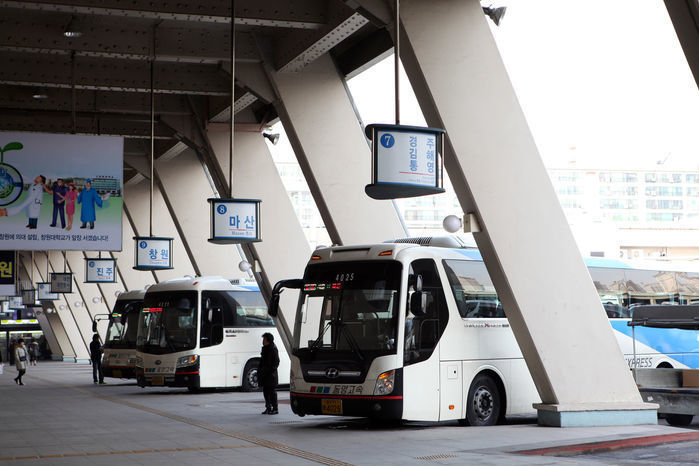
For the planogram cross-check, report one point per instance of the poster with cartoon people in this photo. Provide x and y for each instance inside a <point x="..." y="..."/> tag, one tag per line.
<point x="60" y="191"/>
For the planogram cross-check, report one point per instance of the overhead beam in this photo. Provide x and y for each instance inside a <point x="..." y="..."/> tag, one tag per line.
<point x="111" y="74"/>
<point x="86" y="100"/>
<point x="295" y="50"/>
<point x="129" y="38"/>
<point x="302" y="14"/>
<point x="86" y="123"/>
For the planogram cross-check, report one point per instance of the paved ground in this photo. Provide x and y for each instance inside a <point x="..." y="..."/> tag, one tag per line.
<point x="60" y="417"/>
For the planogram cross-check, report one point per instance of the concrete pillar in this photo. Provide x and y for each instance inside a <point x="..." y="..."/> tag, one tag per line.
<point x="331" y="148"/>
<point x="94" y="302"/>
<point x="64" y="351"/>
<point x="493" y="163"/>
<point x="129" y="278"/>
<point x="185" y="184"/>
<point x="49" y="333"/>
<point x="136" y="199"/>
<point x="284" y="250"/>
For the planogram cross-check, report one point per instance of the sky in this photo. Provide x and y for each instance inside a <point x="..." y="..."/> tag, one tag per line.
<point x="603" y="84"/>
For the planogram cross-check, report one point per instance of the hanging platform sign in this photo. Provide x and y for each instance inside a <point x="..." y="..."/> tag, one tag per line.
<point x="99" y="270"/>
<point x="29" y="297"/>
<point x="45" y="294"/>
<point x="153" y="253"/>
<point x="235" y="220"/>
<point x="16" y="302"/>
<point x="8" y="273"/>
<point x="407" y="161"/>
<point x="61" y="282"/>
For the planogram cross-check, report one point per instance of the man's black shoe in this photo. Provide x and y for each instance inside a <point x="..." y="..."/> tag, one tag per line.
<point x="83" y="226"/>
<point x="266" y="411"/>
<point x="52" y="225"/>
<point x="274" y="411"/>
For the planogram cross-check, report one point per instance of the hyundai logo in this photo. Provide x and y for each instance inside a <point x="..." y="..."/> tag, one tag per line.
<point x="332" y="373"/>
<point x="157" y="362"/>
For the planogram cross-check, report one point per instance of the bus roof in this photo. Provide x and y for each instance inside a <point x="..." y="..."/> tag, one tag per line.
<point x="132" y="295"/>
<point x="204" y="283"/>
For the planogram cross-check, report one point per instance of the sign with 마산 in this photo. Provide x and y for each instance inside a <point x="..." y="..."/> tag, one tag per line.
<point x="45" y="294"/>
<point x="7" y="273"/>
<point x="153" y="253"/>
<point x="407" y="161"/>
<point x="61" y="282"/>
<point x="100" y="270"/>
<point x="235" y="220"/>
<point x="60" y="192"/>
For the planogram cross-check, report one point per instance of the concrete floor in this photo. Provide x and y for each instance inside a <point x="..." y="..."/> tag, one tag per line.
<point x="60" y="417"/>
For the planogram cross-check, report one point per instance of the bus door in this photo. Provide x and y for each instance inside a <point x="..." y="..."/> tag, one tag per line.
<point x="425" y="320"/>
<point x="212" y="355"/>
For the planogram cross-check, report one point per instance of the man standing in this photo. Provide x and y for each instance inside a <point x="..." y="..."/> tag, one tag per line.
<point x="96" y="356"/>
<point x="267" y="373"/>
<point x="59" y="202"/>
<point x="20" y="361"/>
<point x="31" y="204"/>
<point x="88" y="197"/>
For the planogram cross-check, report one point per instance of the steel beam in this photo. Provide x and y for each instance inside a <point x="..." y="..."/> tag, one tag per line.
<point x="685" y="18"/>
<point x="303" y="14"/>
<point x="51" y="71"/>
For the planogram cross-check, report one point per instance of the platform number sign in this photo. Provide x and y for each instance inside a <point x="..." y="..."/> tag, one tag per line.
<point x="153" y="253"/>
<point x="99" y="270"/>
<point x="61" y="282"/>
<point x="235" y="220"/>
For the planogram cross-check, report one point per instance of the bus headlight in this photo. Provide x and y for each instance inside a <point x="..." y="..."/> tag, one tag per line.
<point x="384" y="383"/>
<point x="187" y="360"/>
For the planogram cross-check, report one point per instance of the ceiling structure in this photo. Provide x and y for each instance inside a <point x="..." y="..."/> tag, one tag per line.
<point x="98" y="81"/>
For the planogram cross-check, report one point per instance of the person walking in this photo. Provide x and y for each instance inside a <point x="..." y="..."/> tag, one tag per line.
<point x="267" y="373"/>
<point x="33" y="352"/>
<point x="20" y="361"/>
<point x="96" y="356"/>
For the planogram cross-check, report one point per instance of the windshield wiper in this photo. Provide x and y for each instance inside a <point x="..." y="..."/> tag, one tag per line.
<point x="316" y="343"/>
<point x="352" y="342"/>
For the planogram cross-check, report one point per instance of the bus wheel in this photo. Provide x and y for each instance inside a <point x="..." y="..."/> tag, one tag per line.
<point x="250" y="383"/>
<point x="483" y="402"/>
<point x="665" y="365"/>
<point x="679" y="419"/>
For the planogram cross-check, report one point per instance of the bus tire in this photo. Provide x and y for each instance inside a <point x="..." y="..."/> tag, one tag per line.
<point x="679" y="419"/>
<point x="483" y="404"/>
<point x="665" y="365"/>
<point x="250" y="382"/>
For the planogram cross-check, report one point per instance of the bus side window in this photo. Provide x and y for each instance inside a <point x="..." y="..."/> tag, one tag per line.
<point x="212" y="319"/>
<point x="422" y="333"/>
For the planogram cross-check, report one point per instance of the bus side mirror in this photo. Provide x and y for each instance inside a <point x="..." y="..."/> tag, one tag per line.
<point x="295" y="283"/>
<point x="418" y="303"/>
<point x="94" y="326"/>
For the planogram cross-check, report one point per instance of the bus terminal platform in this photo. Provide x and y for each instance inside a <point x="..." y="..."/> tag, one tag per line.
<point x="60" y="417"/>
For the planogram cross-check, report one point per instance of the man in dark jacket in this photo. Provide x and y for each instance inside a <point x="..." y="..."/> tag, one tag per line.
<point x="96" y="356"/>
<point x="267" y="373"/>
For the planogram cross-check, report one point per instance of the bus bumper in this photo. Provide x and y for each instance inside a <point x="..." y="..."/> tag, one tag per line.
<point x="119" y="372"/>
<point x="376" y="407"/>
<point x="188" y="379"/>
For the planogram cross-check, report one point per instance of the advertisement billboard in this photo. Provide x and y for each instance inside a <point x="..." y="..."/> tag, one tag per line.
<point x="60" y="192"/>
<point x="8" y="271"/>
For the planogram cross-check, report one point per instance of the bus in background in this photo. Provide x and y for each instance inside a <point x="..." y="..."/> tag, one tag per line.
<point x="119" y="358"/>
<point x="400" y="331"/>
<point x="204" y="332"/>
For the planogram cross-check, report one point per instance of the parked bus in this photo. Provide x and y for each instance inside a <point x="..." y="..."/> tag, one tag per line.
<point x="119" y="358"/>
<point x="401" y="331"/>
<point x="204" y="332"/>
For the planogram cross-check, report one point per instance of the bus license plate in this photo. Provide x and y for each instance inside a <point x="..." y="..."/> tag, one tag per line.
<point x="116" y="373"/>
<point x="331" y="407"/>
<point x="158" y="380"/>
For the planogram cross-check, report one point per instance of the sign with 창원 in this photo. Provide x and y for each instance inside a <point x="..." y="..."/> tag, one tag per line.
<point x="45" y="294"/>
<point x="7" y="273"/>
<point x="407" y="161"/>
<point x="100" y="270"/>
<point x="153" y="253"/>
<point x="61" y="282"/>
<point x="60" y="192"/>
<point x="235" y="220"/>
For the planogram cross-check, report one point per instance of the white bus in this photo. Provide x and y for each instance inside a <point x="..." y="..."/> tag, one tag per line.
<point x="400" y="331"/>
<point x="119" y="358"/>
<point x="204" y="332"/>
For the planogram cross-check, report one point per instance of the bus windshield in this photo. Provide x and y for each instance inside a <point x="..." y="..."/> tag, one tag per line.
<point x="123" y="336"/>
<point x="349" y="307"/>
<point x="168" y="322"/>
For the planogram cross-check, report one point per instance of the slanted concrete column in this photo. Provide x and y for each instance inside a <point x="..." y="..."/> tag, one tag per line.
<point x="64" y="350"/>
<point x="185" y="183"/>
<point x="493" y="163"/>
<point x="94" y="302"/>
<point x="136" y="199"/>
<point x="129" y="278"/>
<point x="332" y="151"/>
<point x="284" y="250"/>
<point x="49" y="334"/>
